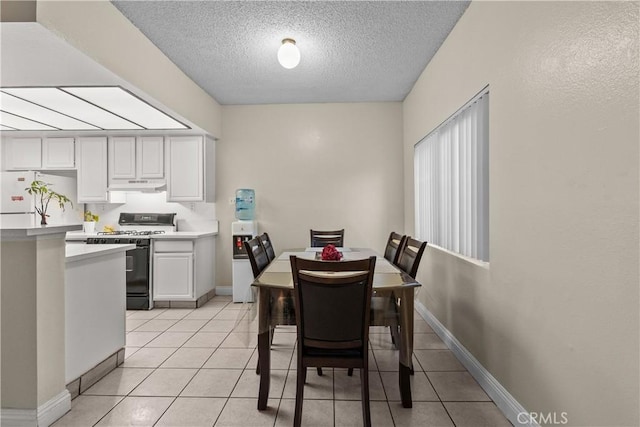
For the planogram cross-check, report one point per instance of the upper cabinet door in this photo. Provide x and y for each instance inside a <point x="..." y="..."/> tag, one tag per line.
<point x="23" y="153"/>
<point x="122" y="157"/>
<point x="92" y="169"/>
<point x="185" y="169"/>
<point x="58" y="153"/>
<point x="150" y="157"/>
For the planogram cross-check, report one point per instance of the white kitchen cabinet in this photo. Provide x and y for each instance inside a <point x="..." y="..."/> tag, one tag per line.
<point x="133" y="158"/>
<point x="23" y="153"/>
<point x="122" y="157"/>
<point x="173" y="270"/>
<point x="150" y="157"/>
<point x="183" y="268"/>
<point x="91" y="153"/>
<point x="58" y="153"/>
<point x="190" y="169"/>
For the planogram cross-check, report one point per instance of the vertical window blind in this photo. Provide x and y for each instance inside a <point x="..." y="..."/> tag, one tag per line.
<point x="451" y="177"/>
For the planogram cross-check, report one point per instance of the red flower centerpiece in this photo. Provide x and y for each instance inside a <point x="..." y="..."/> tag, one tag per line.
<point x="330" y="253"/>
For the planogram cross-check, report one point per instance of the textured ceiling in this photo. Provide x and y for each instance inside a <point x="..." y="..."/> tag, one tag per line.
<point x="352" y="51"/>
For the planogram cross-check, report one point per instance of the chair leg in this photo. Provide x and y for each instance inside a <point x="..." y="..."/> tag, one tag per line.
<point x="350" y="372"/>
<point x="258" y="368"/>
<point x="366" y="412"/>
<point x="297" y="418"/>
<point x="304" y="375"/>
<point x="319" y="371"/>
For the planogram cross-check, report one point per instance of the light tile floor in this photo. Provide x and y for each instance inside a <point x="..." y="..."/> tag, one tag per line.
<point x="197" y="368"/>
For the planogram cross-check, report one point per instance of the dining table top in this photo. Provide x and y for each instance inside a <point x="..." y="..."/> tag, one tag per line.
<point x="386" y="276"/>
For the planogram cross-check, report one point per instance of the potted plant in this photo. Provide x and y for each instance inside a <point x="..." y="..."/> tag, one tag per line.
<point x="89" y="224"/>
<point x="44" y="195"/>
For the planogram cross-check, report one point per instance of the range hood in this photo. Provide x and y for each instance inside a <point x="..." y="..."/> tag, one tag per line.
<point x="143" y="185"/>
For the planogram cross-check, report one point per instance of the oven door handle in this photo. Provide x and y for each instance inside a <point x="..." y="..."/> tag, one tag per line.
<point x="130" y="257"/>
<point x="128" y="263"/>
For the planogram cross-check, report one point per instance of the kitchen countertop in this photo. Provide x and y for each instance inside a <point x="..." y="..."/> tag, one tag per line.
<point x="80" y="235"/>
<point x="75" y="252"/>
<point x="38" y="230"/>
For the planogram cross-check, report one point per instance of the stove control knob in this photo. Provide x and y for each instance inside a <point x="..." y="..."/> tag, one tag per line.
<point x="139" y="242"/>
<point x="103" y="241"/>
<point x="116" y="240"/>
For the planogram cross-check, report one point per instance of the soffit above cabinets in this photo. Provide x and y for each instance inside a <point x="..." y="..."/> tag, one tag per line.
<point x="48" y="87"/>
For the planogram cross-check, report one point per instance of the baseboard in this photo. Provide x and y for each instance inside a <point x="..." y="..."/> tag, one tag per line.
<point x="509" y="406"/>
<point x="54" y="409"/>
<point x="224" y="290"/>
<point x="46" y="414"/>
<point x="18" y="418"/>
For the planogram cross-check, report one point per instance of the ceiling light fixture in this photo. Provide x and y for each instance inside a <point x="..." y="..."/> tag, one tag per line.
<point x="289" y="54"/>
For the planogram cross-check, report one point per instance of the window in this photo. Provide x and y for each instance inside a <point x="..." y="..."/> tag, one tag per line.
<point x="451" y="176"/>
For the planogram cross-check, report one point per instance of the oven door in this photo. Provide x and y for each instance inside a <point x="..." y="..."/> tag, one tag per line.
<point x="137" y="266"/>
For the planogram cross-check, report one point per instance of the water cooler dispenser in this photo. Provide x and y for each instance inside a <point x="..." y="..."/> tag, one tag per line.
<point x="246" y="228"/>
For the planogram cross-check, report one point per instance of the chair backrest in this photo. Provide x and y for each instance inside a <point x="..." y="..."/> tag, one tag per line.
<point x="332" y="310"/>
<point x="320" y="239"/>
<point x="257" y="256"/>
<point x="410" y="256"/>
<point x="394" y="246"/>
<point x="268" y="247"/>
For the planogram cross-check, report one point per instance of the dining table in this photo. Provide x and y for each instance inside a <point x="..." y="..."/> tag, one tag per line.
<point x="273" y="290"/>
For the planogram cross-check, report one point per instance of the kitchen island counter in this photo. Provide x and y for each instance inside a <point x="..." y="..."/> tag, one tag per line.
<point x="35" y="231"/>
<point x="95" y="307"/>
<point x="75" y="252"/>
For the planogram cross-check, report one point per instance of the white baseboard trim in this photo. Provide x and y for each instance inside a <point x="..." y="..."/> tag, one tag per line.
<point x="46" y="414"/>
<point x="224" y="290"/>
<point x="54" y="409"/>
<point x="509" y="406"/>
<point x="18" y="417"/>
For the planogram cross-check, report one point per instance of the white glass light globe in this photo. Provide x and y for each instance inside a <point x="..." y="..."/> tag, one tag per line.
<point x="288" y="54"/>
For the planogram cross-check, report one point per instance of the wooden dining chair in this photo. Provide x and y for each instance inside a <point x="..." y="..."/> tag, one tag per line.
<point x="259" y="259"/>
<point x="410" y="256"/>
<point x="394" y="245"/>
<point x="268" y="246"/>
<point x="332" y="303"/>
<point x="321" y="239"/>
<point x="257" y="256"/>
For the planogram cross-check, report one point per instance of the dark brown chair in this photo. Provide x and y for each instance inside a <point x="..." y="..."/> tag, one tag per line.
<point x="321" y="239"/>
<point x="410" y="256"/>
<point x="257" y="256"/>
<point x="394" y="244"/>
<point x="332" y="316"/>
<point x="268" y="246"/>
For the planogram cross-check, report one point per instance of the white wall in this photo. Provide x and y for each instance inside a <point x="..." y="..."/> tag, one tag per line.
<point x="555" y="316"/>
<point x="322" y="166"/>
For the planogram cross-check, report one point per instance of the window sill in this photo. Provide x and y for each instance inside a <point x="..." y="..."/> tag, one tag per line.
<point x="476" y="262"/>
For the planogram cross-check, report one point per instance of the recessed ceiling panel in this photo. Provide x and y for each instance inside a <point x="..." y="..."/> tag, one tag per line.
<point x="126" y="105"/>
<point x="73" y="106"/>
<point x="22" y="108"/>
<point x="17" y="122"/>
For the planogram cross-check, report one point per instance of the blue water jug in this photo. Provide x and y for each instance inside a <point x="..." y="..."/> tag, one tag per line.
<point x="245" y="204"/>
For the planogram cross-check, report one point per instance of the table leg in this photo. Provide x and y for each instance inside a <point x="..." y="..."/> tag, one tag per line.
<point x="264" y="349"/>
<point x="264" y="359"/>
<point x="406" y="347"/>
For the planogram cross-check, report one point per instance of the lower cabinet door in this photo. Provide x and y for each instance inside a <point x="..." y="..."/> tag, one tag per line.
<point x="173" y="276"/>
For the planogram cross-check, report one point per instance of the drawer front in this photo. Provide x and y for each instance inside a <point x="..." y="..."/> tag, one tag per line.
<point x="173" y="246"/>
